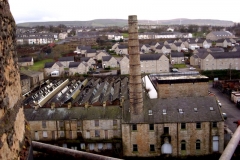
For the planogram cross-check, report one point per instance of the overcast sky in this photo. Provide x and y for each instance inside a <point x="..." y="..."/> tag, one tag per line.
<point x="81" y="10"/>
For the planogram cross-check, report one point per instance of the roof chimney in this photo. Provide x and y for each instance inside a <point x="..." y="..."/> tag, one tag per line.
<point x="135" y="81"/>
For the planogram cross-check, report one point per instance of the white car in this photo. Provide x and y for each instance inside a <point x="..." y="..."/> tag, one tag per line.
<point x="192" y="68"/>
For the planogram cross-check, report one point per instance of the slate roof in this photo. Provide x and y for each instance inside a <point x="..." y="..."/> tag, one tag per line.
<point x="106" y="58"/>
<point x="149" y="57"/>
<point x="177" y="54"/>
<point x="216" y="49"/>
<point x="91" y="51"/>
<point x="84" y="47"/>
<point x="178" y="44"/>
<point x="167" y="46"/>
<point x="71" y="58"/>
<point x="121" y="46"/>
<point x="49" y="64"/>
<point x="85" y="59"/>
<point x="221" y="33"/>
<point x="25" y="59"/>
<point x="74" y="64"/>
<point x="202" y="50"/>
<point x="221" y="55"/>
<point x="78" y="113"/>
<point x="172" y="106"/>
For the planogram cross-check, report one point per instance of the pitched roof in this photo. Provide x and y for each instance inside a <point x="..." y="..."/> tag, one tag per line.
<point x="221" y="55"/>
<point x="177" y="54"/>
<point x="74" y="64"/>
<point x="50" y="64"/>
<point x="85" y="59"/>
<point x="221" y="33"/>
<point x="106" y="58"/>
<point x="147" y="57"/>
<point x="66" y="58"/>
<point x="91" y="51"/>
<point x="80" y="113"/>
<point x="121" y="46"/>
<point x="172" y="106"/>
<point x="201" y="50"/>
<point x="178" y="43"/>
<point x="84" y="47"/>
<point x="216" y="49"/>
<point x="25" y="59"/>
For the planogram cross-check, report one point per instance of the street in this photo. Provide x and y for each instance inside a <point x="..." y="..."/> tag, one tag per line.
<point x="228" y="107"/>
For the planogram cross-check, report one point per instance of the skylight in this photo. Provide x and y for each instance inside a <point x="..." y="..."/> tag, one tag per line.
<point x="164" y="111"/>
<point x="180" y="110"/>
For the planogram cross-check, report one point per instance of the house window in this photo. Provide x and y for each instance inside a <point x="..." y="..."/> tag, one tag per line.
<point x="97" y="133"/>
<point x="183" y="125"/>
<point x="78" y="123"/>
<point x="214" y="124"/>
<point x="44" y="125"/>
<point x="96" y="123"/>
<point x="62" y="134"/>
<point x="45" y="134"/>
<point x="61" y="124"/>
<point x="166" y="130"/>
<point x="198" y="144"/>
<point x="135" y="148"/>
<point x="152" y="148"/>
<point x="198" y="125"/>
<point x="134" y="127"/>
<point x="183" y="145"/>
<point x="114" y="122"/>
<point x="151" y="127"/>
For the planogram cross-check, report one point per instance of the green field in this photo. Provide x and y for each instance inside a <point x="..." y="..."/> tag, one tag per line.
<point x="179" y="66"/>
<point x="39" y="65"/>
<point x="125" y="35"/>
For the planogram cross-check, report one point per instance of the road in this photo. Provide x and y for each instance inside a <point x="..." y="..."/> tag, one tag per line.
<point x="233" y="113"/>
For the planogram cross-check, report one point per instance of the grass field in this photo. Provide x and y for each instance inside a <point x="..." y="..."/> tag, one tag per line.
<point x="39" y="65"/>
<point x="179" y="66"/>
<point x="125" y="35"/>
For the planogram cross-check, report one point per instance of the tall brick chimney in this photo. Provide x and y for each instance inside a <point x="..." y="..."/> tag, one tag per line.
<point x="135" y="82"/>
<point x="13" y="138"/>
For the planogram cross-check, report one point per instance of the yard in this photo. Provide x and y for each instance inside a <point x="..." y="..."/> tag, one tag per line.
<point x="39" y="65"/>
<point x="179" y="66"/>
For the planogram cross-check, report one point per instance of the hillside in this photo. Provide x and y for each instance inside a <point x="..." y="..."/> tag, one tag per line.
<point x="124" y="22"/>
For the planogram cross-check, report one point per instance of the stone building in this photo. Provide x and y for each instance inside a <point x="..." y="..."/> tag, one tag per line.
<point x="150" y="63"/>
<point x="192" y="126"/>
<point x="88" y="131"/>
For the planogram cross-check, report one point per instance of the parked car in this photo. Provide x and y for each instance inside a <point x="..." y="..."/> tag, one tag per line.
<point x="174" y="70"/>
<point x="192" y="68"/>
<point x="224" y="115"/>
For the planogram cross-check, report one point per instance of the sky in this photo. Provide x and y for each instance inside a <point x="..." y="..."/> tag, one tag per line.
<point x="83" y="10"/>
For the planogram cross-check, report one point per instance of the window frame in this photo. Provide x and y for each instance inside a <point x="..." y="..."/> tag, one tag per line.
<point x="151" y="127"/>
<point x="152" y="148"/>
<point x="183" y="145"/>
<point x="198" y="125"/>
<point x="135" y="148"/>
<point x="134" y="127"/>
<point x="97" y="133"/>
<point x="183" y="126"/>
<point x="198" y="144"/>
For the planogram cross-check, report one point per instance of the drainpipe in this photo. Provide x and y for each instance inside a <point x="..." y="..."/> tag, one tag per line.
<point x="232" y="144"/>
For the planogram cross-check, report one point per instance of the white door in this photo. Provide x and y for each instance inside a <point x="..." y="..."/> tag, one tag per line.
<point x="215" y="143"/>
<point x="36" y="135"/>
<point x="87" y="134"/>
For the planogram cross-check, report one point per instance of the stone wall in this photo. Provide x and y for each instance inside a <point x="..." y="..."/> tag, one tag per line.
<point x="144" y="137"/>
<point x="12" y="120"/>
<point x="182" y="90"/>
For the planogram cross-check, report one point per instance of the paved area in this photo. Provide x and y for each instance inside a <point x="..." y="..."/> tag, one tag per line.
<point x="230" y="108"/>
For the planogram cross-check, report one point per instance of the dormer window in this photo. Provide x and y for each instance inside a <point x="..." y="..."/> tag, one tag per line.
<point x="164" y="111"/>
<point x="150" y="112"/>
<point x="195" y="110"/>
<point x="180" y="110"/>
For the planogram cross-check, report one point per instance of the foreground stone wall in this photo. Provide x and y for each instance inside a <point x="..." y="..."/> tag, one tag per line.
<point x="12" y="121"/>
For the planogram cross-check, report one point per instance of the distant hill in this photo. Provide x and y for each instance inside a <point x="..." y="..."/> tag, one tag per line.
<point x="124" y="22"/>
